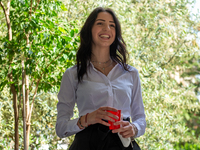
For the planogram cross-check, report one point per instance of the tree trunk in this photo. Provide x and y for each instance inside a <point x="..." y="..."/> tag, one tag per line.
<point x="24" y="103"/>
<point x="16" y="114"/>
<point x="28" y="121"/>
<point x="27" y="135"/>
<point x="28" y="124"/>
<point x="12" y="86"/>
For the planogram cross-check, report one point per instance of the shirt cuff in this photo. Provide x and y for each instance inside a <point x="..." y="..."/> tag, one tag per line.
<point x="67" y="129"/>
<point x="139" y="130"/>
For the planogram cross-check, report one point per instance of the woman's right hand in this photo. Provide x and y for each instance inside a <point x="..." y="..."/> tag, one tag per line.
<point x="101" y="113"/>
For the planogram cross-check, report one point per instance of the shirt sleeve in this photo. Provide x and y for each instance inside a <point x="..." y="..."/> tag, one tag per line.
<point x="137" y="106"/>
<point x="66" y="96"/>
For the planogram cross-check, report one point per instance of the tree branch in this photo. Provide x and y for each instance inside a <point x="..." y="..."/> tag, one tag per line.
<point x="37" y="6"/>
<point x="34" y="96"/>
<point x="170" y="59"/>
<point x="31" y="8"/>
<point x="8" y="7"/>
<point x="7" y="13"/>
<point x="2" y="5"/>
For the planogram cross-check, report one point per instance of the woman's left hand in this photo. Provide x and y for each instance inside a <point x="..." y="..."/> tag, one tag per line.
<point x="126" y="129"/>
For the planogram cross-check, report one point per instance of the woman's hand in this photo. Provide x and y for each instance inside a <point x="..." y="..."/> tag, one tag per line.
<point x="101" y="113"/>
<point x="126" y="129"/>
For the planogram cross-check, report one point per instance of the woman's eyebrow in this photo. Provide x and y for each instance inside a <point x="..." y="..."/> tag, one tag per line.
<point x="104" y="20"/>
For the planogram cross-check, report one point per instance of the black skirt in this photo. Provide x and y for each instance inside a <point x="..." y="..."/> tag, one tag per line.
<point x="99" y="137"/>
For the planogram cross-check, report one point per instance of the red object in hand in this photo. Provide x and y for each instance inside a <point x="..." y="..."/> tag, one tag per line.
<point x="118" y="113"/>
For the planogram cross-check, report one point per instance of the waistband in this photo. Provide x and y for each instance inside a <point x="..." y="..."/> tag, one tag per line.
<point x="105" y="129"/>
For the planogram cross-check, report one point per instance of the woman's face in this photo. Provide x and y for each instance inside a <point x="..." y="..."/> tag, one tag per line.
<point x="103" y="30"/>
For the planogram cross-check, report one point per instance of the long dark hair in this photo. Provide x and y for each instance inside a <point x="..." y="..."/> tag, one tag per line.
<point x="118" y="50"/>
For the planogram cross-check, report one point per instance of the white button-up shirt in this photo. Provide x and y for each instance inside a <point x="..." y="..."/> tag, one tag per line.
<point x="119" y="89"/>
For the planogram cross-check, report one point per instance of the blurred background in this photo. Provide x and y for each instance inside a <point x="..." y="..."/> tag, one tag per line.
<point x="39" y="40"/>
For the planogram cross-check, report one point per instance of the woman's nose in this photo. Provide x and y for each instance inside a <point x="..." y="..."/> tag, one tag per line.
<point x="106" y="27"/>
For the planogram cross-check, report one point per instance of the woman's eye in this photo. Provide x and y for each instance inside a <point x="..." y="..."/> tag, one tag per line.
<point x="99" y="23"/>
<point x="112" y="25"/>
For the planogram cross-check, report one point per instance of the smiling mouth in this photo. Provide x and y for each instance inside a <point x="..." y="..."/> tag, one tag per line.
<point x="105" y="36"/>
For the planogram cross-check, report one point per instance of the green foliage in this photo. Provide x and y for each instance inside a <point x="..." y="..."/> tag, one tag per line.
<point x="188" y="147"/>
<point x="47" y="45"/>
<point x="6" y="120"/>
<point x="47" y="48"/>
<point x="44" y="119"/>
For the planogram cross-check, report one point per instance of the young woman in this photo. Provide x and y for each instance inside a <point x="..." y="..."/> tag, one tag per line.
<point x="101" y="81"/>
